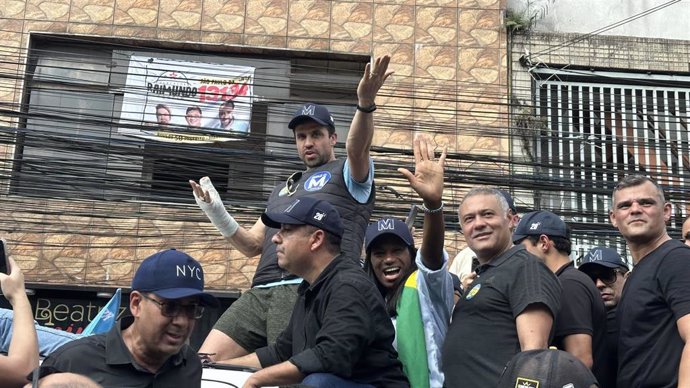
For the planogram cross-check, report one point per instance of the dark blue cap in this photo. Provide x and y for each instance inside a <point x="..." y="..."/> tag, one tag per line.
<point x="386" y="226"/>
<point x="311" y="111"/>
<point x="307" y="211"/>
<point x="538" y="223"/>
<point x="172" y="274"/>
<point x="546" y="368"/>
<point x="602" y="256"/>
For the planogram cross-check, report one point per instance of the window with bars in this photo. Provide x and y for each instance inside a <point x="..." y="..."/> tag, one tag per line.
<point x="597" y="127"/>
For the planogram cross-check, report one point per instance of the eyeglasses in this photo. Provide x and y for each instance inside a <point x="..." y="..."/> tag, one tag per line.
<point x="171" y="309"/>
<point x="290" y="186"/>
<point x="608" y="275"/>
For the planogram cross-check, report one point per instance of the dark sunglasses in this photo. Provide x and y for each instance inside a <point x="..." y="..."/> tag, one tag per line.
<point x="39" y="373"/>
<point x="290" y="186"/>
<point x="608" y="275"/>
<point x="171" y="308"/>
<point x="686" y="237"/>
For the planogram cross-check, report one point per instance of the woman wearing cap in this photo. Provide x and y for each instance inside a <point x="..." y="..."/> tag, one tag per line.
<point x="417" y="288"/>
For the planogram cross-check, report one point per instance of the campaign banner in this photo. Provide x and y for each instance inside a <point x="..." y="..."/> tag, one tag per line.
<point x="186" y="102"/>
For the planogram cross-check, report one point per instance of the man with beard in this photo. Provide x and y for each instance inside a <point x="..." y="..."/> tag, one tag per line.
<point x="263" y="312"/>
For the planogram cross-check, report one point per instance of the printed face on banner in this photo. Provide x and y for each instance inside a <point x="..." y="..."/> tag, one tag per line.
<point x="183" y="101"/>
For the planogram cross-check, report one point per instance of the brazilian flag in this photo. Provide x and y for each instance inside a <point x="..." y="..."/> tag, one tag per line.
<point x="410" y="335"/>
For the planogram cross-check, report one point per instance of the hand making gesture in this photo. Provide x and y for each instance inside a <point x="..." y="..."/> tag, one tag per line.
<point x="427" y="179"/>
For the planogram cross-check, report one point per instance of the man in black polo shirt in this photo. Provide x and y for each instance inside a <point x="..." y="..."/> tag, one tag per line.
<point x="654" y="312"/>
<point x="580" y="326"/>
<point x="339" y="333"/>
<point x="607" y="270"/>
<point x="510" y="305"/>
<point x="149" y="348"/>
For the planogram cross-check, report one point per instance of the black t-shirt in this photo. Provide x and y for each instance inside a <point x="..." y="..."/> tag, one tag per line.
<point x="106" y="359"/>
<point x="612" y="343"/>
<point x="583" y="312"/>
<point x="656" y="294"/>
<point x="482" y="336"/>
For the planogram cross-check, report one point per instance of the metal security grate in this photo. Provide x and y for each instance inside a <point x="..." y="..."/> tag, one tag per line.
<point x="600" y="126"/>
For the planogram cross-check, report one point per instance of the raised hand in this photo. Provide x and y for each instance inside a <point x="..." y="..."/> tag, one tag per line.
<point x="375" y="74"/>
<point x="427" y="179"/>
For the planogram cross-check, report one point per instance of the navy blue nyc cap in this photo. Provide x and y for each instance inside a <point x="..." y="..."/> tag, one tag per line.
<point x="307" y="211"/>
<point x="311" y="111"/>
<point x="172" y="274"/>
<point x="386" y="226"/>
<point x="538" y="223"/>
<point x="604" y="256"/>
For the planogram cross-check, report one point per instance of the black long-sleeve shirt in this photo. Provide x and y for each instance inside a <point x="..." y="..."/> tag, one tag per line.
<point x="339" y="325"/>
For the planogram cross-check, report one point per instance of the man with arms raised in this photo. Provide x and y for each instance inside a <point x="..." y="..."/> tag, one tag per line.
<point x="654" y="312"/>
<point x="510" y="305"/>
<point x="261" y="313"/>
<point x="340" y="334"/>
<point x="148" y="349"/>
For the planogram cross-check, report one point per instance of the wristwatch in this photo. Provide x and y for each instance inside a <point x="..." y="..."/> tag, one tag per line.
<point x="367" y="109"/>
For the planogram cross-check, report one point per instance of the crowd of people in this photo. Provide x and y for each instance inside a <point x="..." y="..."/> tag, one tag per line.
<point x="516" y="312"/>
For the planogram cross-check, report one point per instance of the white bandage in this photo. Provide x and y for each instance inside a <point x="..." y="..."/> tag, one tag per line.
<point x="215" y="210"/>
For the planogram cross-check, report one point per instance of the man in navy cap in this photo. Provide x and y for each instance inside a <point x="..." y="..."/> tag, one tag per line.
<point x="607" y="269"/>
<point x="339" y="334"/>
<point x="148" y="349"/>
<point x="261" y="313"/>
<point x="580" y="325"/>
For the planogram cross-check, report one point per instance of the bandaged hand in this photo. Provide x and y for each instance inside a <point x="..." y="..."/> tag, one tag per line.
<point x="209" y="201"/>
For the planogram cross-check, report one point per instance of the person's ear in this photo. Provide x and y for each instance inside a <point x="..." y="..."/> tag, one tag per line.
<point x="135" y="300"/>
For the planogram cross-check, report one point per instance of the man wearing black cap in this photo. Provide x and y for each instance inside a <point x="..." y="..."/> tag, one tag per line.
<point x="148" y="349"/>
<point x="510" y="305"/>
<point x="580" y="326"/>
<point x="654" y="312"/>
<point x="261" y="313"/>
<point x="339" y="334"/>
<point x="607" y="269"/>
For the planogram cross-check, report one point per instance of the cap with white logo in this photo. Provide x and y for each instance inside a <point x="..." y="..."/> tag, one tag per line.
<point x="307" y="211"/>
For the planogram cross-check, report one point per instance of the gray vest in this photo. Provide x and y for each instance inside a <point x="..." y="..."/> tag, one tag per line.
<point x="325" y="182"/>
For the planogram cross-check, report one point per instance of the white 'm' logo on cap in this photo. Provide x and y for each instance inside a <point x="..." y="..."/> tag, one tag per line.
<point x="596" y="255"/>
<point x="535" y="226"/>
<point x="308" y="110"/>
<point x="386" y="224"/>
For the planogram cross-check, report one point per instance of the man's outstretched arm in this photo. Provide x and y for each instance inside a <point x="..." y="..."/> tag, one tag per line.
<point x="362" y="128"/>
